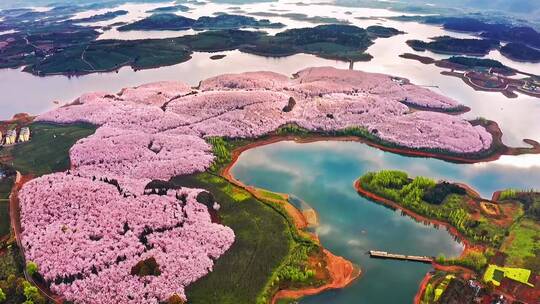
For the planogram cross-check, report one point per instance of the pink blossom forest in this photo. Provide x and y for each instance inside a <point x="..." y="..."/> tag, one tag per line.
<point x="86" y="228"/>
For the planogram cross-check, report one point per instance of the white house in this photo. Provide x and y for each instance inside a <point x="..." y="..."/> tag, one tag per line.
<point x="11" y="137"/>
<point x="24" y="134"/>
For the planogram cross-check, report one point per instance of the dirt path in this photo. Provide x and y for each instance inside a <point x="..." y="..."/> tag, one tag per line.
<point x="420" y="292"/>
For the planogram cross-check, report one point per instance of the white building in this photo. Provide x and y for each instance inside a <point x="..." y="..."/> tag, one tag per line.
<point x="11" y="137"/>
<point x="24" y="134"/>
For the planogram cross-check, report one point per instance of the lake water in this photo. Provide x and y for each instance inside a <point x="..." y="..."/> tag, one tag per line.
<point x="322" y="174"/>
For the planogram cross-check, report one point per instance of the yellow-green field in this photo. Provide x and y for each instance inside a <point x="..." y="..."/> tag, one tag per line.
<point x="495" y="274"/>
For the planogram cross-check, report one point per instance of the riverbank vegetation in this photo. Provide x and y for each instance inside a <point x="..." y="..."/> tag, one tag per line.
<point x="439" y="201"/>
<point x="450" y="45"/>
<point x="501" y="234"/>
<point x="258" y="263"/>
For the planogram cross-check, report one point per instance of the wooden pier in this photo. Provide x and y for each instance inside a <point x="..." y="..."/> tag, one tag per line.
<point x="413" y="258"/>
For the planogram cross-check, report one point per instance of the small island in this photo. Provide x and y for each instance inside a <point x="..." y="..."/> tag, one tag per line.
<point x="383" y="31"/>
<point x="520" y="52"/>
<point x="302" y="17"/>
<point x="218" y="57"/>
<point x="450" y="45"/>
<point x="101" y="17"/>
<point x="523" y="41"/>
<point x="170" y="9"/>
<point x="500" y="235"/>
<point x="169" y="21"/>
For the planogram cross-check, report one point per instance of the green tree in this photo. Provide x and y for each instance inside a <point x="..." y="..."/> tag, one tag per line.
<point x="2" y="296"/>
<point x="31" y="268"/>
<point x="32" y="294"/>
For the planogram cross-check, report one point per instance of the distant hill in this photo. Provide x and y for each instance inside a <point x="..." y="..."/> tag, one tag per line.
<point x="175" y="22"/>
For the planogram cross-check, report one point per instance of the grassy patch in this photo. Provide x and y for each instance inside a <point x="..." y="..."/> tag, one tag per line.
<point x="5" y="189"/>
<point x="4" y="219"/>
<point x="523" y="245"/>
<point x="473" y="260"/>
<point x="270" y="195"/>
<point x="222" y="149"/>
<point x="495" y="274"/>
<point x="266" y="243"/>
<point x="48" y="149"/>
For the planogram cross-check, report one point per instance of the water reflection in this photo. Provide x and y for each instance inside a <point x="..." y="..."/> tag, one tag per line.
<point x="322" y="174"/>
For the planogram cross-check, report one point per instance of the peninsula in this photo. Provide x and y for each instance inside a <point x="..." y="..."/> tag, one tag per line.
<point x="485" y="74"/>
<point x="499" y="235"/>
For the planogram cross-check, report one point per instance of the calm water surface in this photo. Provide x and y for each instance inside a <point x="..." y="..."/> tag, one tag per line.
<point x="323" y="173"/>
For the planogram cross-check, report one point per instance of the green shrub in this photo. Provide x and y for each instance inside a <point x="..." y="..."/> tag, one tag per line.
<point x="508" y="194"/>
<point x="292" y="129"/>
<point x="222" y="152"/>
<point x="2" y="296"/>
<point x="472" y="260"/>
<point x="31" y="268"/>
<point x="436" y="195"/>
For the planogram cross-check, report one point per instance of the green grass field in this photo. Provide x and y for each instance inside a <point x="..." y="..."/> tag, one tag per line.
<point x="494" y="274"/>
<point x="523" y="245"/>
<point x="48" y="149"/>
<point x="4" y="218"/>
<point x="5" y="190"/>
<point x="265" y="240"/>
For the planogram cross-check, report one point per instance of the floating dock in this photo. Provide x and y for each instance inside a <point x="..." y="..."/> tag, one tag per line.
<point x="413" y="258"/>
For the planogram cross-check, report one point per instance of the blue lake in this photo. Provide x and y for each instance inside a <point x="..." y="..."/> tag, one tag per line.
<point x="322" y="174"/>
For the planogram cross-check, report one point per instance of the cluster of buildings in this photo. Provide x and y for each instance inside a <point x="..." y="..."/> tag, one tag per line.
<point x="12" y="137"/>
<point x="532" y="86"/>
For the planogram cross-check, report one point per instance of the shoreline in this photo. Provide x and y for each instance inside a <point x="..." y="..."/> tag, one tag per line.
<point x="300" y="220"/>
<point x="498" y="148"/>
<point x="467" y="245"/>
<point x="449" y="69"/>
<point x="342" y="272"/>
